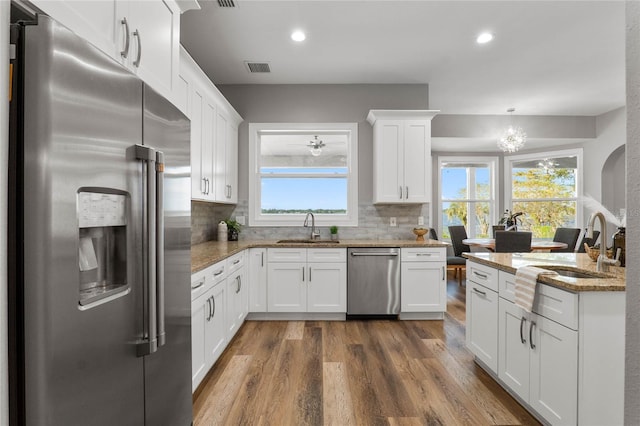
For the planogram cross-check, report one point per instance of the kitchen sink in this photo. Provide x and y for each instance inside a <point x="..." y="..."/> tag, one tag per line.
<point x="572" y="273"/>
<point x="307" y="241"/>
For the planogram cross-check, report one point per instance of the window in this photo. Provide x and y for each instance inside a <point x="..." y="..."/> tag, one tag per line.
<point x="467" y="194"/>
<point x="545" y="187"/>
<point x="299" y="168"/>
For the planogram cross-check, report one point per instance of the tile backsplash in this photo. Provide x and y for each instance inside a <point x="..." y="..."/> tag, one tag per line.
<point x="373" y="223"/>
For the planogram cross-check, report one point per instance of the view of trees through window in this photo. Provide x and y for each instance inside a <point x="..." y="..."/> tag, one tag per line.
<point x="545" y="190"/>
<point x="467" y="196"/>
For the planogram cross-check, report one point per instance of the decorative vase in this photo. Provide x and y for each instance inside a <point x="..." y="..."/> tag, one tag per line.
<point x="619" y="239"/>
<point x="334" y="237"/>
<point x="233" y="234"/>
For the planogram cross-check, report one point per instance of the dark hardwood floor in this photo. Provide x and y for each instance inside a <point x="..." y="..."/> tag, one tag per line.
<point x="354" y="373"/>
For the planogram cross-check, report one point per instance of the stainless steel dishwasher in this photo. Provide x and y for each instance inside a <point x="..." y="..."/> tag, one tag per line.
<point x="373" y="281"/>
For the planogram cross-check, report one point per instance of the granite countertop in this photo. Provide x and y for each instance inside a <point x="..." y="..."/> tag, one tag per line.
<point x="509" y="262"/>
<point x="206" y="254"/>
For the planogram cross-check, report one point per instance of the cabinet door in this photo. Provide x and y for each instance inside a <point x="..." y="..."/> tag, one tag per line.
<point x="156" y="44"/>
<point x="554" y="371"/>
<point x="257" y="280"/>
<point x="388" y="179"/>
<point x="198" y="181"/>
<point x="287" y="288"/>
<point x="327" y="287"/>
<point x="234" y="310"/>
<point x="220" y="163"/>
<point x="200" y="312"/>
<point x="96" y="21"/>
<point x="423" y="287"/>
<point x="482" y="324"/>
<point x="216" y="337"/>
<point x="513" y="348"/>
<point x="417" y="161"/>
<point x="231" y="165"/>
<point x="208" y="142"/>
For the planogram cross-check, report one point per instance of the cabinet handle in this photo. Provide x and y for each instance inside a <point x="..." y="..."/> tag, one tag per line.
<point x="198" y="284"/>
<point x="125" y="52"/>
<point x="208" y="309"/>
<point x="213" y="302"/>
<point x="424" y="254"/>
<point x="215" y="274"/>
<point x="401" y="193"/>
<point x="444" y="274"/>
<point x="208" y="186"/>
<point x="136" y="63"/>
<point x="309" y="273"/>
<point x="236" y="261"/>
<point x="238" y="284"/>
<point x="262" y="259"/>
<point x="522" y="339"/>
<point x="406" y="192"/>
<point x="303" y="274"/>
<point x="480" y="292"/>
<point x="531" y="344"/>
<point x="483" y="276"/>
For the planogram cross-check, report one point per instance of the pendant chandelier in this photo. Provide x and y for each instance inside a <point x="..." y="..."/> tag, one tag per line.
<point x="315" y="146"/>
<point x="513" y="138"/>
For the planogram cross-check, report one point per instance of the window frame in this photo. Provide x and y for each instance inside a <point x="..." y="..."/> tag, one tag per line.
<point x="257" y="218"/>
<point x="508" y="167"/>
<point x="493" y="162"/>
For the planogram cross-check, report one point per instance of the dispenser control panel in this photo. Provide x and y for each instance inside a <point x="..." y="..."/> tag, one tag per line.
<point x="100" y="209"/>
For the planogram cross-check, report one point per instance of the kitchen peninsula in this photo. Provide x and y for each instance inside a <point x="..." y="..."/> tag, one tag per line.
<point x="565" y="360"/>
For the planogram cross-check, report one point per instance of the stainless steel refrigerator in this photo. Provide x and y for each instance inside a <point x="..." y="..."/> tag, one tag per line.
<point x="100" y="240"/>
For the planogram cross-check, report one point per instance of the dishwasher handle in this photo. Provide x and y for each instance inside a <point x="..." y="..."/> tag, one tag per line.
<point x="372" y="254"/>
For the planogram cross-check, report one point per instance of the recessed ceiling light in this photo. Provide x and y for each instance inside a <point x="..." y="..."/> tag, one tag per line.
<point x="484" y="38"/>
<point x="298" y="35"/>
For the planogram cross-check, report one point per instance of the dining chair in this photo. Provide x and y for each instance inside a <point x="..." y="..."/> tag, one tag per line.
<point x="513" y="242"/>
<point x="569" y="236"/>
<point x="590" y="241"/>
<point x="432" y="234"/>
<point x="495" y="228"/>
<point x="457" y="263"/>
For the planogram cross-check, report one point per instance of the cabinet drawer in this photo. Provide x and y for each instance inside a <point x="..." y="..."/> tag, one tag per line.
<point x="327" y="255"/>
<point x="235" y="262"/>
<point x="286" y="255"/>
<point x="558" y="305"/>
<point x="198" y="284"/>
<point x="216" y="272"/>
<point x="423" y="254"/>
<point x="483" y="275"/>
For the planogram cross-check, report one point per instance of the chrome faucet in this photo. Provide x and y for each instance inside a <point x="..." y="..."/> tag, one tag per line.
<point x="314" y="234"/>
<point x="603" y="262"/>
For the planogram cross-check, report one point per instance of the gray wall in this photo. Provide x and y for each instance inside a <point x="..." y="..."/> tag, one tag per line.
<point x="328" y="103"/>
<point x="632" y="365"/>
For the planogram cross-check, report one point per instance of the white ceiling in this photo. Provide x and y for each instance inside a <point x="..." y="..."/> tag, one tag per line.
<point x="548" y="57"/>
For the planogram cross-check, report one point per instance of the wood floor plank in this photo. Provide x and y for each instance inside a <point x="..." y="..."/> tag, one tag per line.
<point x="405" y="421"/>
<point x="218" y="402"/>
<point x="295" y="330"/>
<point x="337" y="406"/>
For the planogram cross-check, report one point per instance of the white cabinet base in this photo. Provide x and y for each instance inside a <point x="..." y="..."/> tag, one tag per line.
<point x="296" y="316"/>
<point x="421" y="315"/>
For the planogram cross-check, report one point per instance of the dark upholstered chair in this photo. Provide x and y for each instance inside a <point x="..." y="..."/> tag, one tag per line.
<point x="495" y="228"/>
<point x="456" y="262"/>
<point x="590" y="241"/>
<point x="432" y="234"/>
<point x="513" y="242"/>
<point x="568" y="236"/>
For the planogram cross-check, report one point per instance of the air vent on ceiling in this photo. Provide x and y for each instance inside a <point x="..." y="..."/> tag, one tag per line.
<point x="258" y="66"/>
<point x="226" y="3"/>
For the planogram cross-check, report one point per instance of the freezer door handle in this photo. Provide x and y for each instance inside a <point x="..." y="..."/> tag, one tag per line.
<point x="149" y="343"/>
<point x="160" y="246"/>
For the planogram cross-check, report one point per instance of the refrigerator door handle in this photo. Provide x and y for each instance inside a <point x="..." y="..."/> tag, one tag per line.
<point x="149" y="344"/>
<point x="160" y="246"/>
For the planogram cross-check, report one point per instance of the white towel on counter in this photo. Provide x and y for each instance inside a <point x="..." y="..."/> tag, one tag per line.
<point x="526" y="280"/>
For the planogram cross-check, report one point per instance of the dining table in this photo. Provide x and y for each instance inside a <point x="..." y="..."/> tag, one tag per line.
<point x="490" y="244"/>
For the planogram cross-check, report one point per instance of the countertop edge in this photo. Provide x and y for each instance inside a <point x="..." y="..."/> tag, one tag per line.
<point x="614" y="284"/>
<point x="208" y="253"/>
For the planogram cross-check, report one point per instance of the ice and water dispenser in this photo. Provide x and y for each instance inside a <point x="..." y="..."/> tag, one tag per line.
<point x="102" y="245"/>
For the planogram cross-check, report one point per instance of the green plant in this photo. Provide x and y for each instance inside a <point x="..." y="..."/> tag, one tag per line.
<point x="333" y="229"/>
<point x="232" y="225"/>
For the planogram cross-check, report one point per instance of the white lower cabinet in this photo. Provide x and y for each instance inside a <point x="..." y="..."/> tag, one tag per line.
<point x="257" y="273"/>
<point x="539" y="361"/>
<point x="423" y="286"/>
<point x="237" y="294"/>
<point x="208" y="332"/>
<point x="307" y="280"/>
<point x="482" y="324"/>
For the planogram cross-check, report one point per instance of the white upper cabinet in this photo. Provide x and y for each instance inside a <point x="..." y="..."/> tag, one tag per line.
<point x="401" y="156"/>
<point x="214" y="135"/>
<point x="142" y="35"/>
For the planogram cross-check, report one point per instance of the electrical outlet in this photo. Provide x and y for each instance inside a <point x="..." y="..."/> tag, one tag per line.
<point x="420" y="220"/>
<point x="240" y="220"/>
<point x="392" y="221"/>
